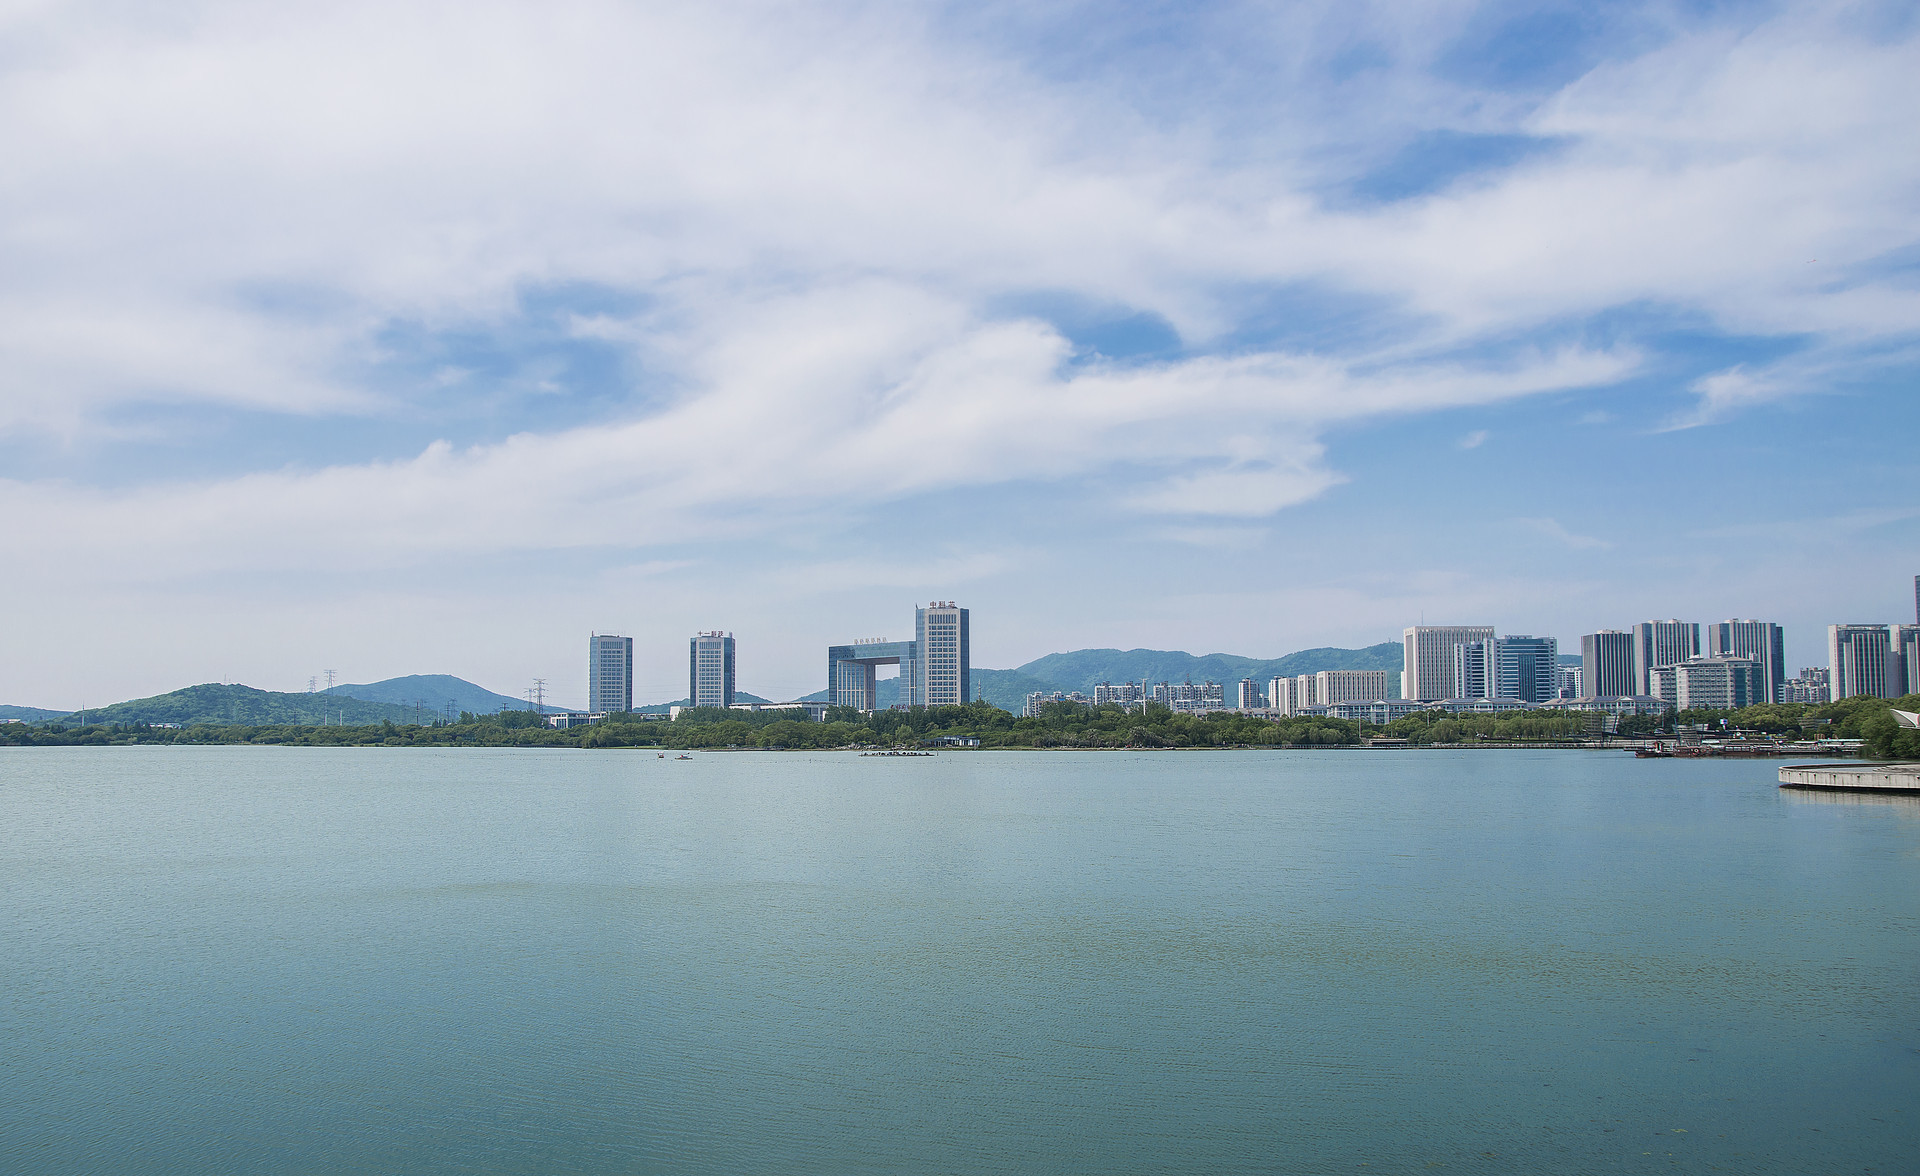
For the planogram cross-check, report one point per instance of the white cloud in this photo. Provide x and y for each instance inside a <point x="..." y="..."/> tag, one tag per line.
<point x="815" y="218"/>
<point x="1474" y="440"/>
<point x="1724" y="392"/>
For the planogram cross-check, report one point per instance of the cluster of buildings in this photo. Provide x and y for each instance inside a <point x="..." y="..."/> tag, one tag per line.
<point x="935" y="670"/>
<point x="1651" y="667"/>
<point x="1187" y="698"/>
<point x="936" y="667"/>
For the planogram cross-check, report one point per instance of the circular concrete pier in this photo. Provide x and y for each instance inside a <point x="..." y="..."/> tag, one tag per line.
<point x="1904" y="778"/>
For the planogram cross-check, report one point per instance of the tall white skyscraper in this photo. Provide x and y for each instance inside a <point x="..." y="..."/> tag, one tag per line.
<point x="1757" y="641"/>
<point x="1661" y="643"/>
<point x="609" y="673"/>
<point x="1426" y="673"/>
<point x="942" y="669"/>
<point x="1859" y="658"/>
<point x="710" y="669"/>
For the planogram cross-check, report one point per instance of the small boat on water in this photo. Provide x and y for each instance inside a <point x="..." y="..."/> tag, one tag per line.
<point x="683" y="755"/>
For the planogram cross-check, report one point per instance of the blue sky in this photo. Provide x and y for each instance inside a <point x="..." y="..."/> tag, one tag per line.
<point x="428" y="339"/>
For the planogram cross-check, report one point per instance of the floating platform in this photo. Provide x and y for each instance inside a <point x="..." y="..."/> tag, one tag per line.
<point x="1898" y="778"/>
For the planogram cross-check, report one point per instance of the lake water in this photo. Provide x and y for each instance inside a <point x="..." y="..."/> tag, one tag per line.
<point x="301" y="960"/>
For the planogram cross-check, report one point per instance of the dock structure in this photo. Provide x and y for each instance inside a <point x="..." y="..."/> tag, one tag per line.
<point x="1854" y="777"/>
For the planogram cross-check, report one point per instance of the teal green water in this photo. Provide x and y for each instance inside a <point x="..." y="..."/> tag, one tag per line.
<point x="303" y="960"/>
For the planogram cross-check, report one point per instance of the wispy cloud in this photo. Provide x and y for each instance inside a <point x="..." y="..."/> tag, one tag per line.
<point x="1552" y="529"/>
<point x="1474" y="440"/>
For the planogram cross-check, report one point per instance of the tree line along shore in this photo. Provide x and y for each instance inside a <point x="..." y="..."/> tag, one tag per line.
<point x="1059" y="725"/>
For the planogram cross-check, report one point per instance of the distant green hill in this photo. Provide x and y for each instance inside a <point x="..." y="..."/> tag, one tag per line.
<point x="438" y="690"/>
<point x="214" y="703"/>
<point x="661" y="708"/>
<point x="31" y="714"/>
<point x="1083" y="669"/>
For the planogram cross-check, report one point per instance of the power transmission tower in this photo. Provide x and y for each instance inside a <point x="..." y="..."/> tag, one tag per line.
<point x="540" y="696"/>
<point x="327" y="716"/>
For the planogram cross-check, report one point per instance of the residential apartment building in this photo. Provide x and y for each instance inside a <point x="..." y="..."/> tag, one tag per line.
<point x="1038" y="700"/>
<point x="1758" y="641"/>
<point x="1711" y="683"/>
<point x="1661" y="643"/>
<point x="1248" y="696"/>
<point x="1193" y="698"/>
<point x="1128" y="695"/>
<point x="1859" y="661"/>
<point x="1606" y="665"/>
<point x="1336" y="686"/>
<point x="943" y="672"/>
<point x="1283" y="695"/>
<point x="710" y="670"/>
<point x="1567" y="680"/>
<point x="1811" y="685"/>
<point x="1427" y="667"/>
<point x="609" y="673"/>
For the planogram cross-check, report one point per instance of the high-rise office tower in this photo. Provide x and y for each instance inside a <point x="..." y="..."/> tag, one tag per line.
<point x="1757" y="641"/>
<point x="1904" y="649"/>
<point x="942" y="673"/>
<point x="1526" y="668"/>
<point x="1859" y="659"/>
<point x="1606" y="664"/>
<point x="1426" y="673"/>
<point x="609" y="673"/>
<point x="1661" y="643"/>
<point x="710" y="669"/>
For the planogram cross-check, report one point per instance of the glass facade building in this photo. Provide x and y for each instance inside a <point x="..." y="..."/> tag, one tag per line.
<point x="852" y="671"/>
<point x="1527" y="668"/>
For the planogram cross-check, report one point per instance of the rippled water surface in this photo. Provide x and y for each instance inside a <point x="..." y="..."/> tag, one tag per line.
<point x="301" y="960"/>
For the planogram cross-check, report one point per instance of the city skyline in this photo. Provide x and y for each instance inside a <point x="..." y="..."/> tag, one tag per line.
<point x="403" y="369"/>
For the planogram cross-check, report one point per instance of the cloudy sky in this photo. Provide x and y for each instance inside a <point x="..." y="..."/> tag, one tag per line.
<point x="426" y="338"/>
